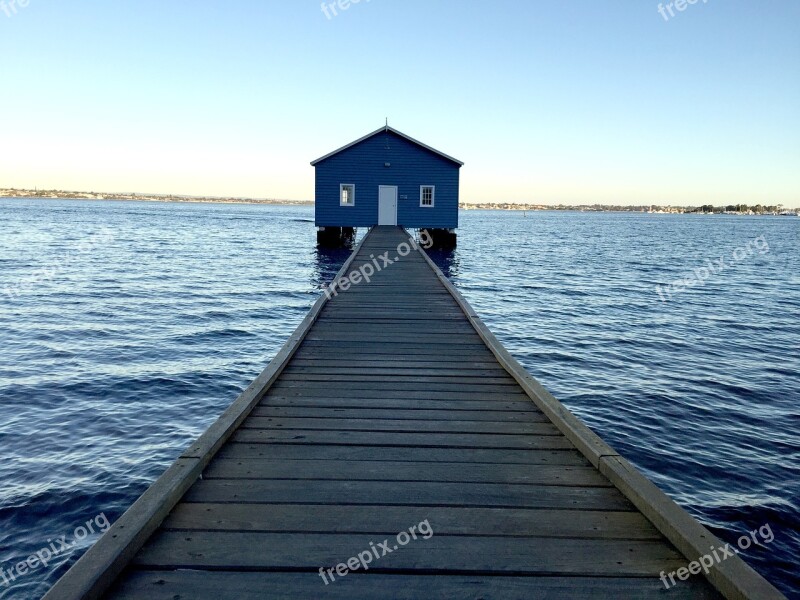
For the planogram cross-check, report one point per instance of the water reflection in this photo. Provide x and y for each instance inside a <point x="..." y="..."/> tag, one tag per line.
<point x="447" y="260"/>
<point x="329" y="259"/>
<point x="327" y="262"/>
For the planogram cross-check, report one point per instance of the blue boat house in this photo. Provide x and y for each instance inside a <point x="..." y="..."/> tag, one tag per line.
<point x="386" y="178"/>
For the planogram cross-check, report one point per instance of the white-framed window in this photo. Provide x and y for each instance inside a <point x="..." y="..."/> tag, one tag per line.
<point x="427" y="195"/>
<point x="347" y="194"/>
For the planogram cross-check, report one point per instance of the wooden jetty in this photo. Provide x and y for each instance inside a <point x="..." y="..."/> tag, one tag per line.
<point x="390" y="406"/>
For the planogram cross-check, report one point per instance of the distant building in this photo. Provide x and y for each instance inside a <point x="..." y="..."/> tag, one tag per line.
<point x="386" y="178"/>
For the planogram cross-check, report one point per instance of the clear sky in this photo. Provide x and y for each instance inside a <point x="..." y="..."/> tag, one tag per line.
<point x="574" y="101"/>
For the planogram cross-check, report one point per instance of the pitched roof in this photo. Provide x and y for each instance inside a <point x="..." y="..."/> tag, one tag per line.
<point x="383" y="130"/>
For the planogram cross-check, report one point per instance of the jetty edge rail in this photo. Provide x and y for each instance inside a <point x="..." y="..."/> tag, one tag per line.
<point x="91" y="576"/>
<point x="734" y="578"/>
<point x="105" y="561"/>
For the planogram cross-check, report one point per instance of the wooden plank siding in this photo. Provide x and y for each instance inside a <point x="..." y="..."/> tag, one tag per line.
<point x="364" y="165"/>
<point x="391" y="410"/>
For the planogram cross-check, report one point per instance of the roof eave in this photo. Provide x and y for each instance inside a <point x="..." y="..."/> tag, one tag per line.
<point x="314" y="163"/>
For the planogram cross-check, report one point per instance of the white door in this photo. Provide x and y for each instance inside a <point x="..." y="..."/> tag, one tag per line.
<point x="387" y="205"/>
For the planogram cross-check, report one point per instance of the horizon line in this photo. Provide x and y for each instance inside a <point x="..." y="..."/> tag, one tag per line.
<point x="266" y="199"/>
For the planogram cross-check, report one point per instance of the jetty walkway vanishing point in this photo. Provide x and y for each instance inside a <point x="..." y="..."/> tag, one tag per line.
<point x="394" y="449"/>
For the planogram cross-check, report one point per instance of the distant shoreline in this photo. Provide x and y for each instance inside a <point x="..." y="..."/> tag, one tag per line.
<point x="757" y="211"/>
<point x="740" y="209"/>
<point x="123" y="197"/>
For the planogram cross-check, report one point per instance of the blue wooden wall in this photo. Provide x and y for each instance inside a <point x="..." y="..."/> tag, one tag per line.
<point x="364" y="166"/>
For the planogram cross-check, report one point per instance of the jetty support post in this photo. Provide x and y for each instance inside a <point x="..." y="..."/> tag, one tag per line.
<point x="335" y="237"/>
<point x="441" y="238"/>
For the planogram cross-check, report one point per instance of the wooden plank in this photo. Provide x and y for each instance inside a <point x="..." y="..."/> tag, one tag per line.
<point x="389" y="334"/>
<point x="345" y="337"/>
<point x="405" y="471"/>
<point x="407" y="308"/>
<point x="398" y="379"/>
<point x="402" y="360"/>
<point x="422" y="440"/>
<point x="380" y="385"/>
<point x="221" y="585"/>
<point x="421" y="493"/>
<point x="454" y="325"/>
<point x="382" y="362"/>
<point x="388" y="347"/>
<point x="440" y="553"/>
<point x="321" y="392"/>
<point x="400" y="425"/>
<point x="516" y="522"/>
<point x="398" y="414"/>
<point x="403" y="352"/>
<point x="346" y="454"/>
<point x="392" y="304"/>
<point x="436" y="331"/>
<point x="401" y="333"/>
<point x="346" y="373"/>
<point x="335" y="403"/>
<point x="372" y="313"/>
<point x="443" y="316"/>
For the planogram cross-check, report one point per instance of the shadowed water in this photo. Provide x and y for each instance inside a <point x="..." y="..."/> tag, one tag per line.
<point x="126" y="328"/>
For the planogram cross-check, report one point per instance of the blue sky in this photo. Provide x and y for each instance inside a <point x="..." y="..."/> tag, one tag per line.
<point x="575" y="101"/>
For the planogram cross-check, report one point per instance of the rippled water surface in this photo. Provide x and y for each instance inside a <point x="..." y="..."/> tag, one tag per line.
<point x="126" y="328"/>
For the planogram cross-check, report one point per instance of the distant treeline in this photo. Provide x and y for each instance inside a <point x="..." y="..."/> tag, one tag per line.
<point x="757" y="209"/>
<point x="737" y="208"/>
